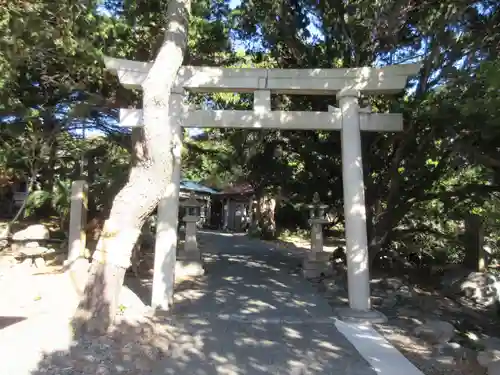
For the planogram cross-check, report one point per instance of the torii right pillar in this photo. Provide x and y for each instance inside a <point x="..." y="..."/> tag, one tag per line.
<point x="358" y="273"/>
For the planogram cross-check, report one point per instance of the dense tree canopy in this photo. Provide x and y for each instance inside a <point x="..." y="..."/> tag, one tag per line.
<point x="420" y="183"/>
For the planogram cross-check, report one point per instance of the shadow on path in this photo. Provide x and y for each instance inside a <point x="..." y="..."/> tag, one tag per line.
<point x="250" y="315"/>
<point x="6" y="321"/>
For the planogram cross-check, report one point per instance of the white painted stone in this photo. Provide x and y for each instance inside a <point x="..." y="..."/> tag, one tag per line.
<point x="298" y="120"/>
<point x="376" y="350"/>
<point x="282" y="81"/>
<point x="354" y="203"/>
<point x="32" y="232"/>
<point x="77" y="220"/>
<point x="166" y="228"/>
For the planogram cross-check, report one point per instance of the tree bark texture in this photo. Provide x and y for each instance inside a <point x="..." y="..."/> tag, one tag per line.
<point x="149" y="176"/>
<point x="474" y="243"/>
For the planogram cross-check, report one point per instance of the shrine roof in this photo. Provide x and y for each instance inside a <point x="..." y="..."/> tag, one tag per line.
<point x="238" y="189"/>
<point x="197" y="187"/>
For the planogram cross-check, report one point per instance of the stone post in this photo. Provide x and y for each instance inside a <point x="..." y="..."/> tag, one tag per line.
<point x="189" y="262"/>
<point x="358" y="278"/>
<point x="77" y="222"/>
<point x="166" y="225"/>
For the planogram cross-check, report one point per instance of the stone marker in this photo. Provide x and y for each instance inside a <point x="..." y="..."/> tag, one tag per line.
<point x="26" y="246"/>
<point x="77" y="222"/>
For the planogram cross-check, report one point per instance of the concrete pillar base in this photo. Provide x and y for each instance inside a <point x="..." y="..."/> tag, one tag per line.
<point x="349" y="315"/>
<point x="188" y="268"/>
<point x="314" y="266"/>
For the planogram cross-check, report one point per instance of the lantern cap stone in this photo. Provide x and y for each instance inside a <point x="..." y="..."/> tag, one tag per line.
<point x="191" y="201"/>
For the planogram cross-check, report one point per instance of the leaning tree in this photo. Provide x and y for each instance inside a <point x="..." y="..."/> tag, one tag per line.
<point x="149" y="176"/>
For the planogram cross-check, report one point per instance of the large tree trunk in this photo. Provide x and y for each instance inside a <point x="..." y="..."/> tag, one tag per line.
<point x="382" y="231"/>
<point x="149" y="177"/>
<point x="49" y="170"/>
<point x="474" y="243"/>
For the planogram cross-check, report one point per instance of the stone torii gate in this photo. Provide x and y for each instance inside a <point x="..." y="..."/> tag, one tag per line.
<point x="349" y="118"/>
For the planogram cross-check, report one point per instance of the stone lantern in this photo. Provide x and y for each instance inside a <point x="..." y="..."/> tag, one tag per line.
<point x="317" y="220"/>
<point x="189" y="262"/>
<point x="191" y="218"/>
<point x="317" y="261"/>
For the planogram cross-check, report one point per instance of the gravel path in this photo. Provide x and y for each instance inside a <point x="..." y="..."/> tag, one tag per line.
<point x="36" y="336"/>
<point x="250" y="315"/>
<point x="403" y="320"/>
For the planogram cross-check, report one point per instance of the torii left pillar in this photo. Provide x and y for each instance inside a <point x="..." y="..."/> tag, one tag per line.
<point x="162" y="297"/>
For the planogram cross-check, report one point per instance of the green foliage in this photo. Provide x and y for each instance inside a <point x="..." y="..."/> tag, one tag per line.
<point x="59" y="200"/>
<point x="420" y="184"/>
<point x="35" y="200"/>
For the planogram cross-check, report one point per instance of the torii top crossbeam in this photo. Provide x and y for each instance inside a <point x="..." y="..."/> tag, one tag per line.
<point x="264" y="82"/>
<point x="389" y="79"/>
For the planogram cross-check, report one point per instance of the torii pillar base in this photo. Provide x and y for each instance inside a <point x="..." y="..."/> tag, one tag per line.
<point x="371" y="316"/>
